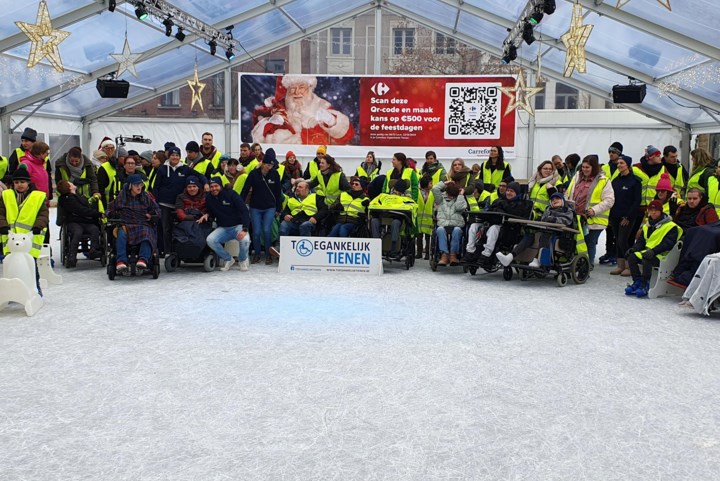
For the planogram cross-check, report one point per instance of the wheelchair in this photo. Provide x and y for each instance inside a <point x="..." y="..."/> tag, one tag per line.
<point x="435" y="250"/>
<point x="133" y="251"/>
<point x="83" y="242"/>
<point x="188" y="246"/>
<point x="507" y="238"/>
<point x="405" y="252"/>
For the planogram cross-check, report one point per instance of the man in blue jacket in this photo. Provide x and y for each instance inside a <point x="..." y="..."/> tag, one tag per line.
<point x="232" y="219"/>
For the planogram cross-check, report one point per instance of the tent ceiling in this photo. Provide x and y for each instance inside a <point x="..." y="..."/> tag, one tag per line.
<point x="633" y="41"/>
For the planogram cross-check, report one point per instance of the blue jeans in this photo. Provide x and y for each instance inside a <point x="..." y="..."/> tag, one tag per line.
<point x="305" y="229"/>
<point x="591" y="239"/>
<point x="262" y="221"/>
<point x="221" y="235"/>
<point x="455" y="239"/>
<point x="121" y="247"/>
<point x="341" y="230"/>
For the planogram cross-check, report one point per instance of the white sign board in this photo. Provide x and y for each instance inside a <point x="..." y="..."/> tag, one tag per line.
<point x="330" y="254"/>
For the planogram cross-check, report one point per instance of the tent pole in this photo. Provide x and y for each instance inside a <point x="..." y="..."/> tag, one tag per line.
<point x="228" y="112"/>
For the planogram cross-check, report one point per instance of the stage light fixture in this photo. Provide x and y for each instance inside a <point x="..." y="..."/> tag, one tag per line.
<point x="527" y="34"/>
<point x="141" y="13"/>
<point x="111" y="5"/>
<point x="168" y="26"/>
<point x="180" y="35"/>
<point x="548" y="6"/>
<point x="510" y="55"/>
<point x="213" y="46"/>
<point x="229" y="53"/>
<point x="536" y="18"/>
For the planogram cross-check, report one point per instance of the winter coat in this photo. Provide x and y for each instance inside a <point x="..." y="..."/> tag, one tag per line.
<point x="131" y="212"/>
<point x="170" y="182"/>
<point x="517" y="206"/>
<point x="62" y="171"/>
<point x="77" y="210"/>
<point x="450" y="210"/>
<point x="703" y="214"/>
<point x="300" y="217"/>
<point x="628" y="195"/>
<point x="228" y="209"/>
<point x="189" y="207"/>
<point x="607" y="198"/>
<point x="266" y="189"/>
<point x="38" y="175"/>
<point x="560" y="215"/>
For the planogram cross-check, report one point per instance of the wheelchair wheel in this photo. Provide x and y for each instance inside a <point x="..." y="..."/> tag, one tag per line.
<point x="111" y="272"/>
<point x="473" y="270"/>
<point x="524" y="275"/>
<point x="507" y="273"/>
<point x="562" y="279"/>
<point x="209" y="262"/>
<point x="433" y="252"/>
<point x="580" y="269"/>
<point x="171" y="262"/>
<point x="156" y="270"/>
<point x="63" y="247"/>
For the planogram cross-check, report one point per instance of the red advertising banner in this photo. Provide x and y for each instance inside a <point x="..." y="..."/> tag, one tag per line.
<point x="458" y="116"/>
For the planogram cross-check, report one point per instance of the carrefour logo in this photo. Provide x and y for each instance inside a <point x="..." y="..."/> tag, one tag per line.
<point x="380" y="89"/>
<point x="304" y="248"/>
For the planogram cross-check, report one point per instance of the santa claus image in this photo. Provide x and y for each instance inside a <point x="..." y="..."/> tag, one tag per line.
<point x="296" y="115"/>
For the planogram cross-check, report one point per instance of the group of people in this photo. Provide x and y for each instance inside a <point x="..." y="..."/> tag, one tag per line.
<point x="644" y="208"/>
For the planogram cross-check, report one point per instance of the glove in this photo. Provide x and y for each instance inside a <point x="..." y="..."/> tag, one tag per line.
<point x="277" y="119"/>
<point x="4" y="230"/>
<point x="36" y="230"/>
<point x="648" y="254"/>
<point x="324" y="116"/>
<point x="366" y="202"/>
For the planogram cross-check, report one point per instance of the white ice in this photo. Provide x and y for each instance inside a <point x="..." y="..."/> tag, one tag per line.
<point x="409" y="376"/>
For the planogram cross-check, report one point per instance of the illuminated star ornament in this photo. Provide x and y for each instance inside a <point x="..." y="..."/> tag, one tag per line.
<point x="197" y="87"/>
<point x="520" y="95"/>
<point x="664" y="3"/>
<point x="126" y="60"/>
<point x="44" y="39"/>
<point x="574" y="41"/>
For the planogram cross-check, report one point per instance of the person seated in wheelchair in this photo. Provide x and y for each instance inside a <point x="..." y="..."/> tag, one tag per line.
<point x="558" y="212"/>
<point x="397" y="200"/>
<point x="659" y="235"/>
<point x="349" y="209"/>
<point x="138" y="213"/>
<point x="79" y="218"/>
<point x="511" y="203"/>
<point x="190" y="204"/>
<point x="450" y="205"/>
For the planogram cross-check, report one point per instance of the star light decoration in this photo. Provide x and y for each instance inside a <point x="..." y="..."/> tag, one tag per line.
<point x="126" y="60"/>
<point x="520" y="95"/>
<point x="664" y="3"/>
<point x="574" y="41"/>
<point x="197" y="87"/>
<point x="44" y="39"/>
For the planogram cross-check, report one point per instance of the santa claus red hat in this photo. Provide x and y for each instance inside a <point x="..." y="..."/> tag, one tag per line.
<point x="309" y="80"/>
<point x="106" y="141"/>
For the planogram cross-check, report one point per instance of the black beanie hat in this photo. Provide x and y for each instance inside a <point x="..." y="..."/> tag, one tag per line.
<point x="515" y="187"/>
<point x="192" y="146"/>
<point x="21" y="173"/>
<point x="616" y="147"/>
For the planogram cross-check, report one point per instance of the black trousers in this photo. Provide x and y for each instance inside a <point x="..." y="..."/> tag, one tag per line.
<point x="623" y="236"/>
<point x="75" y="233"/>
<point x="647" y="266"/>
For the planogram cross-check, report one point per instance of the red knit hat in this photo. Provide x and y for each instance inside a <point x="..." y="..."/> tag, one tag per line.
<point x="289" y="154"/>
<point x="664" y="183"/>
<point x="656" y="204"/>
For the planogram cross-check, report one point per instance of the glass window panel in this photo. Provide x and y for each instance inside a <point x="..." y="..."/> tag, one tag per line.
<point x="215" y="11"/>
<point x="311" y="12"/>
<point x="25" y="11"/>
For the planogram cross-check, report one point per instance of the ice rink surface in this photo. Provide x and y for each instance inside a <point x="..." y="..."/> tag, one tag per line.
<point x="415" y="375"/>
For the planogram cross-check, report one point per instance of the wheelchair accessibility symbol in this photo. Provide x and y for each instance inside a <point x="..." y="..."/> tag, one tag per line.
<point x="304" y="248"/>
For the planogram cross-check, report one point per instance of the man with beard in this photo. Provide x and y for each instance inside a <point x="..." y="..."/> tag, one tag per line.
<point x="296" y="115"/>
<point x="209" y="151"/>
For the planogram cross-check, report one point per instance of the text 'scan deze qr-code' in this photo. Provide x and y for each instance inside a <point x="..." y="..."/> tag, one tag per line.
<point x="472" y="110"/>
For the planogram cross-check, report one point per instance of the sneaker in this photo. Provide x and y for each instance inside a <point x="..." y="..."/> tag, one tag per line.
<point x="605" y="259"/>
<point x="244" y="265"/>
<point x="504" y="259"/>
<point x="141" y="264"/>
<point x="470" y="257"/>
<point x="274" y="251"/>
<point x="121" y="267"/>
<point x="228" y="264"/>
<point x="535" y="263"/>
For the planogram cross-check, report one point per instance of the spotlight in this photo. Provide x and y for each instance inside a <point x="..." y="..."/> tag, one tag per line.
<point x="180" y="35"/>
<point x="536" y="18"/>
<point x="548" y="6"/>
<point x="213" y="46"/>
<point x="168" y="26"/>
<point x="510" y="55"/>
<point x="141" y="13"/>
<point x="229" y="53"/>
<point x="527" y="33"/>
<point x="111" y="5"/>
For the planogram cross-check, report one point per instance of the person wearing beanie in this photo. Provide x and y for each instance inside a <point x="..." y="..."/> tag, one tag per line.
<point x="615" y="153"/>
<point x="138" y="213"/>
<point x="450" y="205"/>
<point x="122" y="154"/>
<point x="231" y="216"/>
<point x="679" y="175"/>
<point x="191" y="206"/>
<point x="265" y="204"/>
<point x="27" y="138"/>
<point x="313" y="166"/>
<point x="107" y="171"/>
<point x="400" y="170"/>
<point x="593" y="196"/>
<point x="623" y="215"/>
<point x="649" y="170"/>
<point x="665" y="193"/>
<point x="197" y="162"/>
<point x="168" y="146"/>
<point x="370" y="168"/>
<point x="24" y="209"/>
<point x="495" y="169"/>
<point x="349" y="209"/>
<point x="75" y="167"/>
<point x="397" y="200"/>
<point x="511" y="203"/>
<point x="292" y="166"/>
<point x="659" y="235"/>
<point x="557" y="212"/>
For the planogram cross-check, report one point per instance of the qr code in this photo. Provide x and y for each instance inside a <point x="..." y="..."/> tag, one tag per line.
<point x="472" y="110"/>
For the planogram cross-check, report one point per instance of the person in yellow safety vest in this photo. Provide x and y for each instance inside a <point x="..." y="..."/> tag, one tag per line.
<point x="247" y="159"/>
<point x="703" y="169"/>
<point x="209" y="151"/>
<point x="433" y="168"/>
<point x="594" y="196"/>
<point x="150" y="162"/>
<point x="678" y="173"/>
<point x="460" y="174"/>
<point x="107" y="171"/>
<point x="350" y="209"/>
<point x="24" y="209"/>
<point x="563" y="178"/>
<point x="495" y="168"/>
<point x="396" y="200"/>
<point x="313" y="166"/>
<point x="480" y="199"/>
<point x="231" y="172"/>
<point x="3" y="167"/>
<point x="128" y="168"/>
<point x="78" y="169"/>
<point x="424" y="220"/>
<point x="649" y="170"/>
<point x="330" y="180"/>
<point x="81" y="218"/>
<point x="399" y="171"/>
<point x="197" y="162"/>
<point x="541" y="186"/>
<point x="302" y="214"/>
<point x="659" y="235"/>
<point x="369" y="169"/>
